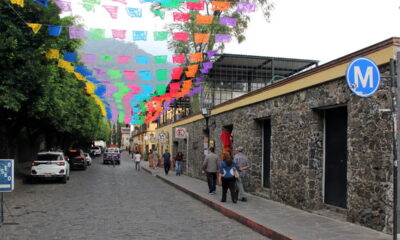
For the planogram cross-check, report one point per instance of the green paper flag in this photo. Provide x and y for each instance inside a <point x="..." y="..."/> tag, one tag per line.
<point x="121" y="117"/>
<point x="171" y="4"/>
<point x="160" y="59"/>
<point x="159" y="13"/>
<point x="114" y="74"/>
<point x="121" y="107"/>
<point x="97" y="34"/>
<point x="106" y="58"/>
<point x="161" y="75"/>
<point x="160" y="36"/>
<point x="161" y="89"/>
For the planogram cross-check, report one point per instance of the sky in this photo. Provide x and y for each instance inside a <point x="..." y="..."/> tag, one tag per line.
<point x="308" y="29"/>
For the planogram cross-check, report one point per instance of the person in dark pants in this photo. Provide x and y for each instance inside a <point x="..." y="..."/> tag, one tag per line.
<point x="226" y="174"/>
<point x="167" y="161"/>
<point x="210" y="166"/>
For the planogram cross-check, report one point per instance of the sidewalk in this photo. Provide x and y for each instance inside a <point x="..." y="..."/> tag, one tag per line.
<point x="272" y="219"/>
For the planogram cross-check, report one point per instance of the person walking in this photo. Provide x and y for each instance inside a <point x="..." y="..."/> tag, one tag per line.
<point x="151" y="158"/>
<point x="137" y="157"/>
<point x="242" y="161"/>
<point x="178" y="163"/>
<point x="155" y="159"/>
<point x="167" y="161"/>
<point x="210" y="167"/>
<point x="227" y="175"/>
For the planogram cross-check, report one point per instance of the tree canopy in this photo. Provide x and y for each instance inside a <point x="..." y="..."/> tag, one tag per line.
<point x="34" y="92"/>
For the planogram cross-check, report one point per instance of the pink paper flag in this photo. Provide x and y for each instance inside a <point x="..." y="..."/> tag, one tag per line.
<point x="118" y="34"/>
<point x="100" y="72"/>
<point x="120" y="1"/>
<point x="112" y="10"/>
<point x="76" y="33"/>
<point x="123" y="59"/>
<point x="181" y="36"/>
<point x="130" y="75"/>
<point x="127" y="119"/>
<point x="210" y="54"/>
<point x="181" y="17"/>
<point x="89" y="58"/>
<point x="65" y="6"/>
<point x="227" y="21"/>
<point x="222" y="38"/>
<point x="195" y="6"/>
<point x="245" y="7"/>
<point x="180" y="58"/>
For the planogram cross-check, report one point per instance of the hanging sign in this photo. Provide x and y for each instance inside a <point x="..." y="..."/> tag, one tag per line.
<point x="363" y="77"/>
<point x="180" y="132"/>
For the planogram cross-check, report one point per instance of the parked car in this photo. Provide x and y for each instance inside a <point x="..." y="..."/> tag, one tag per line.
<point x="50" y="165"/>
<point x="88" y="159"/>
<point x="112" y="154"/>
<point x="77" y="159"/>
<point x="95" y="151"/>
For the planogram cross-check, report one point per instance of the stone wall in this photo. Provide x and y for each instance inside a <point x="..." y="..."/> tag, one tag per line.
<point x="297" y="148"/>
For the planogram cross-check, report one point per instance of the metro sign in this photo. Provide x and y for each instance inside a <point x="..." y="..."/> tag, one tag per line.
<point x="363" y="77"/>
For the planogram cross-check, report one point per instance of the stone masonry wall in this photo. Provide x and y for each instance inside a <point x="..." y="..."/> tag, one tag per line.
<point x="297" y="150"/>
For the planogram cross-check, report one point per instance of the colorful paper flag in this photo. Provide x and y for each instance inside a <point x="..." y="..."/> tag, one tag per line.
<point x="201" y="37"/>
<point x="142" y="59"/>
<point x="161" y="75"/>
<point x="181" y="36"/>
<point x="179" y="58"/>
<point x="160" y="36"/>
<point x="159" y="13"/>
<point x="76" y="33"/>
<point x="181" y="17"/>
<point x="195" y="6"/>
<point x="203" y="19"/>
<point x="160" y="59"/>
<point x="130" y="75"/>
<point x="245" y="7"/>
<point x="35" y="27"/>
<point x="99" y="72"/>
<point x="112" y="10"/>
<point x="161" y="89"/>
<point x="114" y="74"/>
<point x="228" y="21"/>
<point x="220" y="6"/>
<point x="65" y="6"/>
<point x="134" y="12"/>
<point x="123" y="59"/>
<point x="54" y="30"/>
<point x="139" y="35"/>
<point x="89" y="58"/>
<point x="121" y="1"/>
<point x="97" y="34"/>
<point x="118" y="34"/>
<point x="106" y="58"/>
<point x="222" y="38"/>
<point x="42" y="2"/>
<point x="176" y="73"/>
<point x="53" y="53"/>
<point x="210" y="54"/>
<point x="196" y="57"/>
<point x="70" y="56"/>
<point x="88" y="7"/>
<point x="145" y="75"/>
<point x="192" y="70"/>
<point x="18" y="2"/>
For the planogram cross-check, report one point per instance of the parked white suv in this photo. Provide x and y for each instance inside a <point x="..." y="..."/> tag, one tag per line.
<point x="49" y="165"/>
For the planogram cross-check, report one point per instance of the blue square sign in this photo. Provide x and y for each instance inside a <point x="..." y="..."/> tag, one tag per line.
<point x="6" y="175"/>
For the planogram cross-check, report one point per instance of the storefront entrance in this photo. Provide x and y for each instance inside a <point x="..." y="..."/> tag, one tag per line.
<point x="266" y="128"/>
<point x="336" y="157"/>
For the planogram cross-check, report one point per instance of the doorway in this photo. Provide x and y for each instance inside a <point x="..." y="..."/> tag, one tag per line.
<point x="335" y="189"/>
<point x="266" y="136"/>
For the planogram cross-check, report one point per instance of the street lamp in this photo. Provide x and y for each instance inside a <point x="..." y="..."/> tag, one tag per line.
<point x="206" y="114"/>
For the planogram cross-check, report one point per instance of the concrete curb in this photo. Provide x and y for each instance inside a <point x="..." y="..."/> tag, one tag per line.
<point x="268" y="232"/>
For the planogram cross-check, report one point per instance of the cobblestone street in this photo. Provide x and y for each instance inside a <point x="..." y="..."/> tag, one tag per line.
<point x="112" y="203"/>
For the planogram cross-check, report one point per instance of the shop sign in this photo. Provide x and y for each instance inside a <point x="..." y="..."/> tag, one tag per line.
<point x="363" y="77"/>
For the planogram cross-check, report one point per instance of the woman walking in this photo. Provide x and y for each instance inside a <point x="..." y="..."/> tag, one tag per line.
<point x="151" y="158"/>
<point x="155" y="159"/>
<point x="227" y="175"/>
<point x="178" y="163"/>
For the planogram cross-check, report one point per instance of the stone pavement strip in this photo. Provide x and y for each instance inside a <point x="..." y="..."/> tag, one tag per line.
<point x="272" y="219"/>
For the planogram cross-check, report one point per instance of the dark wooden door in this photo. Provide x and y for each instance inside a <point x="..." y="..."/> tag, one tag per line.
<point x="266" y="153"/>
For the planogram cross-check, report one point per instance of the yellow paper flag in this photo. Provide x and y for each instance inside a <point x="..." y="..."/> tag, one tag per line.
<point x="53" y="53"/>
<point x="66" y="65"/>
<point x="35" y="26"/>
<point x="79" y="76"/>
<point x="18" y="2"/>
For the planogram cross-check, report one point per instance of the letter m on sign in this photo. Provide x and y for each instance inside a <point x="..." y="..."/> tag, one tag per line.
<point x="364" y="79"/>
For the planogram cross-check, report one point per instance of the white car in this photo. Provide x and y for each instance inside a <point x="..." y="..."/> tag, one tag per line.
<point x="95" y="151"/>
<point x="88" y="159"/>
<point x="48" y="165"/>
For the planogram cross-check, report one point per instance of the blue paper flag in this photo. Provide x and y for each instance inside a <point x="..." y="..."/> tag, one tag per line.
<point x="139" y="35"/>
<point x="134" y="12"/>
<point x="54" y="30"/>
<point x="42" y="2"/>
<point x="142" y="59"/>
<point x="92" y="79"/>
<point x="145" y="75"/>
<point x="100" y="90"/>
<point x="83" y="70"/>
<point x="70" y="56"/>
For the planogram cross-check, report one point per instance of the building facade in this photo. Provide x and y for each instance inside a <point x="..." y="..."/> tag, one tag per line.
<point x="311" y="142"/>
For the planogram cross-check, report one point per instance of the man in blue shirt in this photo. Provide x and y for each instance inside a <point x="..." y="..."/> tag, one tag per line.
<point x="167" y="161"/>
